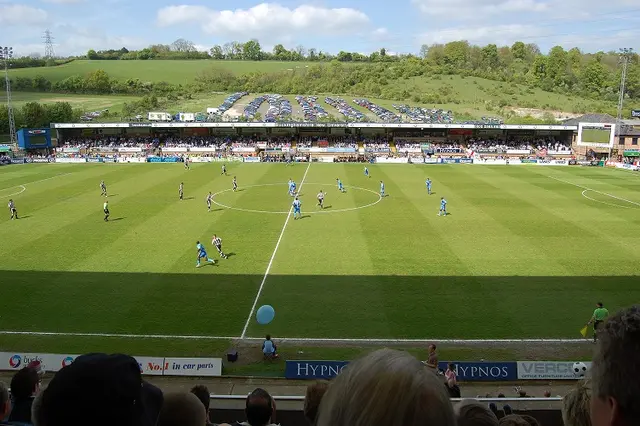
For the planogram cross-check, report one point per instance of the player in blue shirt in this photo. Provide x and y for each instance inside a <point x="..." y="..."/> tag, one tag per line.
<point x="202" y="254"/>
<point x="366" y="172"/>
<point x="296" y="209"/>
<point x="428" y="182"/>
<point x="292" y="188"/>
<point x="340" y="187"/>
<point x="382" y="189"/>
<point x="443" y="207"/>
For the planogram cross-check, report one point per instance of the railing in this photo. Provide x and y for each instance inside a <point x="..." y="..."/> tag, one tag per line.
<point x="295" y="398"/>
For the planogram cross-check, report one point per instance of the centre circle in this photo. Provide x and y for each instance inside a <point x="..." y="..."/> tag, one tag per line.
<point x="325" y="211"/>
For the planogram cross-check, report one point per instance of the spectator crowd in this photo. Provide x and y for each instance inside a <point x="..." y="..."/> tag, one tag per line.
<point x="385" y="387"/>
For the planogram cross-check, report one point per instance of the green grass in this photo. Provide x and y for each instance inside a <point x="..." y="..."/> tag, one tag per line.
<point x="179" y="71"/>
<point x="85" y="102"/>
<point x="520" y="256"/>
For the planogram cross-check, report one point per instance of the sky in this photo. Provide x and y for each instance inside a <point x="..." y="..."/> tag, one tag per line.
<point x="401" y="26"/>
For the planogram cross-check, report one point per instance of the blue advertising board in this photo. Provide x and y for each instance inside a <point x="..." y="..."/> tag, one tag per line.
<point x="457" y="160"/>
<point x="163" y="159"/>
<point x="313" y="369"/>
<point x="466" y="371"/>
<point x="483" y="371"/>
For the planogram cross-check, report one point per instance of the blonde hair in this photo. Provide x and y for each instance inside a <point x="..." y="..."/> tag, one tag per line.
<point x="386" y="388"/>
<point x="575" y="405"/>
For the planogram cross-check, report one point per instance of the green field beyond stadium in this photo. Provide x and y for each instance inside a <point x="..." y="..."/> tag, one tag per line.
<point x="525" y="253"/>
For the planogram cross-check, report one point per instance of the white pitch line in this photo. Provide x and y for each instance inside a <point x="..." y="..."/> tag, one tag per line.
<point x="595" y="190"/>
<point x="111" y="335"/>
<point x="584" y="194"/>
<point x="293" y="340"/>
<point x="273" y="256"/>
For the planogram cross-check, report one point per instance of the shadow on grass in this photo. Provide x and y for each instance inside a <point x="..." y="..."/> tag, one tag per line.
<point x="209" y="302"/>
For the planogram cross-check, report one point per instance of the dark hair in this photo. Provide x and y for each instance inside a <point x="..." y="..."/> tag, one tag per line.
<point x="472" y="413"/>
<point x="312" y="400"/>
<point x="202" y="392"/>
<point x="615" y="371"/>
<point x="513" y="420"/>
<point x="4" y="396"/>
<point x="599" y="304"/>
<point x="259" y="407"/>
<point x="451" y="366"/>
<point x="23" y="383"/>
<point x="268" y="337"/>
<point x="531" y="420"/>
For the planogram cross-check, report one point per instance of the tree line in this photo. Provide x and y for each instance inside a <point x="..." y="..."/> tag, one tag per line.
<point x="35" y="114"/>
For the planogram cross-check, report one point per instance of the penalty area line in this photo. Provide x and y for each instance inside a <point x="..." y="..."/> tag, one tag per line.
<point x="595" y="190"/>
<point x="293" y="340"/>
<point x="273" y="256"/>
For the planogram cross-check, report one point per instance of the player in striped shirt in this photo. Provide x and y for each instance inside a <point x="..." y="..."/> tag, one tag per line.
<point x="181" y="190"/>
<point x="217" y="242"/>
<point x="103" y="188"/>
<point x="209" y="200"/>
<point x="321" y="199"/>
<point x="235" y="184"/>
<point x="186" y="163"/>
<point x="382" y="194"/>
<point x="224" y="170"/>
<point x="12" y="210"/>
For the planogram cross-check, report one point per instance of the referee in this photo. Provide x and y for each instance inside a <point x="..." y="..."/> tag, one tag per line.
<point x="599" y="315"/>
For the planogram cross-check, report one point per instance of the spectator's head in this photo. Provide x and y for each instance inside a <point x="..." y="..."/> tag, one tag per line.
<point x="268" y="336"/>
<point x="532" y="421"/>
<point x="182" y="409"/>
<point x="25" y="383"/>
<point x="575" y="405"/>
<point x="202" y="392"/>
<point x="599" y="305"/>
<point x="312" y="399"/>
<point x="5" y="403"/>
<point x="102" y="390"/>
<point x="259" y="407"/>
<point x="432" y="348"/>
<point x="513" y="420"/>
<point x="547" y="394"/>
<point x="615" y="371"/>
<point x="470" y="412"/>
<point x="451" y="366"/>
<point x="386" y="387"/>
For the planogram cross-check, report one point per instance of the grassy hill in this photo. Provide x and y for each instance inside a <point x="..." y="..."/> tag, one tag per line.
<point x="171" y="71"/>
<point x="468" y="97"/>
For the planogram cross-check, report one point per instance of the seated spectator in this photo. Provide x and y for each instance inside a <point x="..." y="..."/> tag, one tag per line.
<point x="260" y="409"/>
<point x="312" y="399"/>
<point x="513" y="420"/>
<point x="472" y="413"/>
<point x="99" y="390"/>
<point x="615" y="372"/>
<point x="269" y="348"/>
<point x="5" y="403"/>
<point x="25" y="384"/>
<point x="576" y="405"/>
<point x="203" y="394"/>
<point x="182" y="409"/>
<point x="386" y="388"/>
<point x="452" y="381"/>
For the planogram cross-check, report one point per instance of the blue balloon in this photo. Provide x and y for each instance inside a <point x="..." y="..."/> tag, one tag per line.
<point x="265" y="314"/>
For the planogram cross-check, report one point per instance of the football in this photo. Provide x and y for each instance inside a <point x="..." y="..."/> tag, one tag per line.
<point x="580" y="369"/>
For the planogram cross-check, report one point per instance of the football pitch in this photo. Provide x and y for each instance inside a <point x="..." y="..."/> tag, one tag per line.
<point x="525" y="252"/>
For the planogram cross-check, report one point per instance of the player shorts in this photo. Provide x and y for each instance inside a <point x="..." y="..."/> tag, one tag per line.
<point x="296" y="211"/>
<point x="219" y="248"/>
<point x="203" y="254"/>
<point x="106" y="211"/>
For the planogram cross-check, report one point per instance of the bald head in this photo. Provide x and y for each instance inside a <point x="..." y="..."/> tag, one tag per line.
<point x="182" y="409"/>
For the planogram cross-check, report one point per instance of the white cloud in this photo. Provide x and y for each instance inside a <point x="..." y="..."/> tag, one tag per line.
<point x="380" y="33"/>
<point x="63" y="1"/>
<point x="266" y="21"/>
<point x="20" y="15"/>
<point x="467" y="9"/>
<point x="499" y="34"/>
